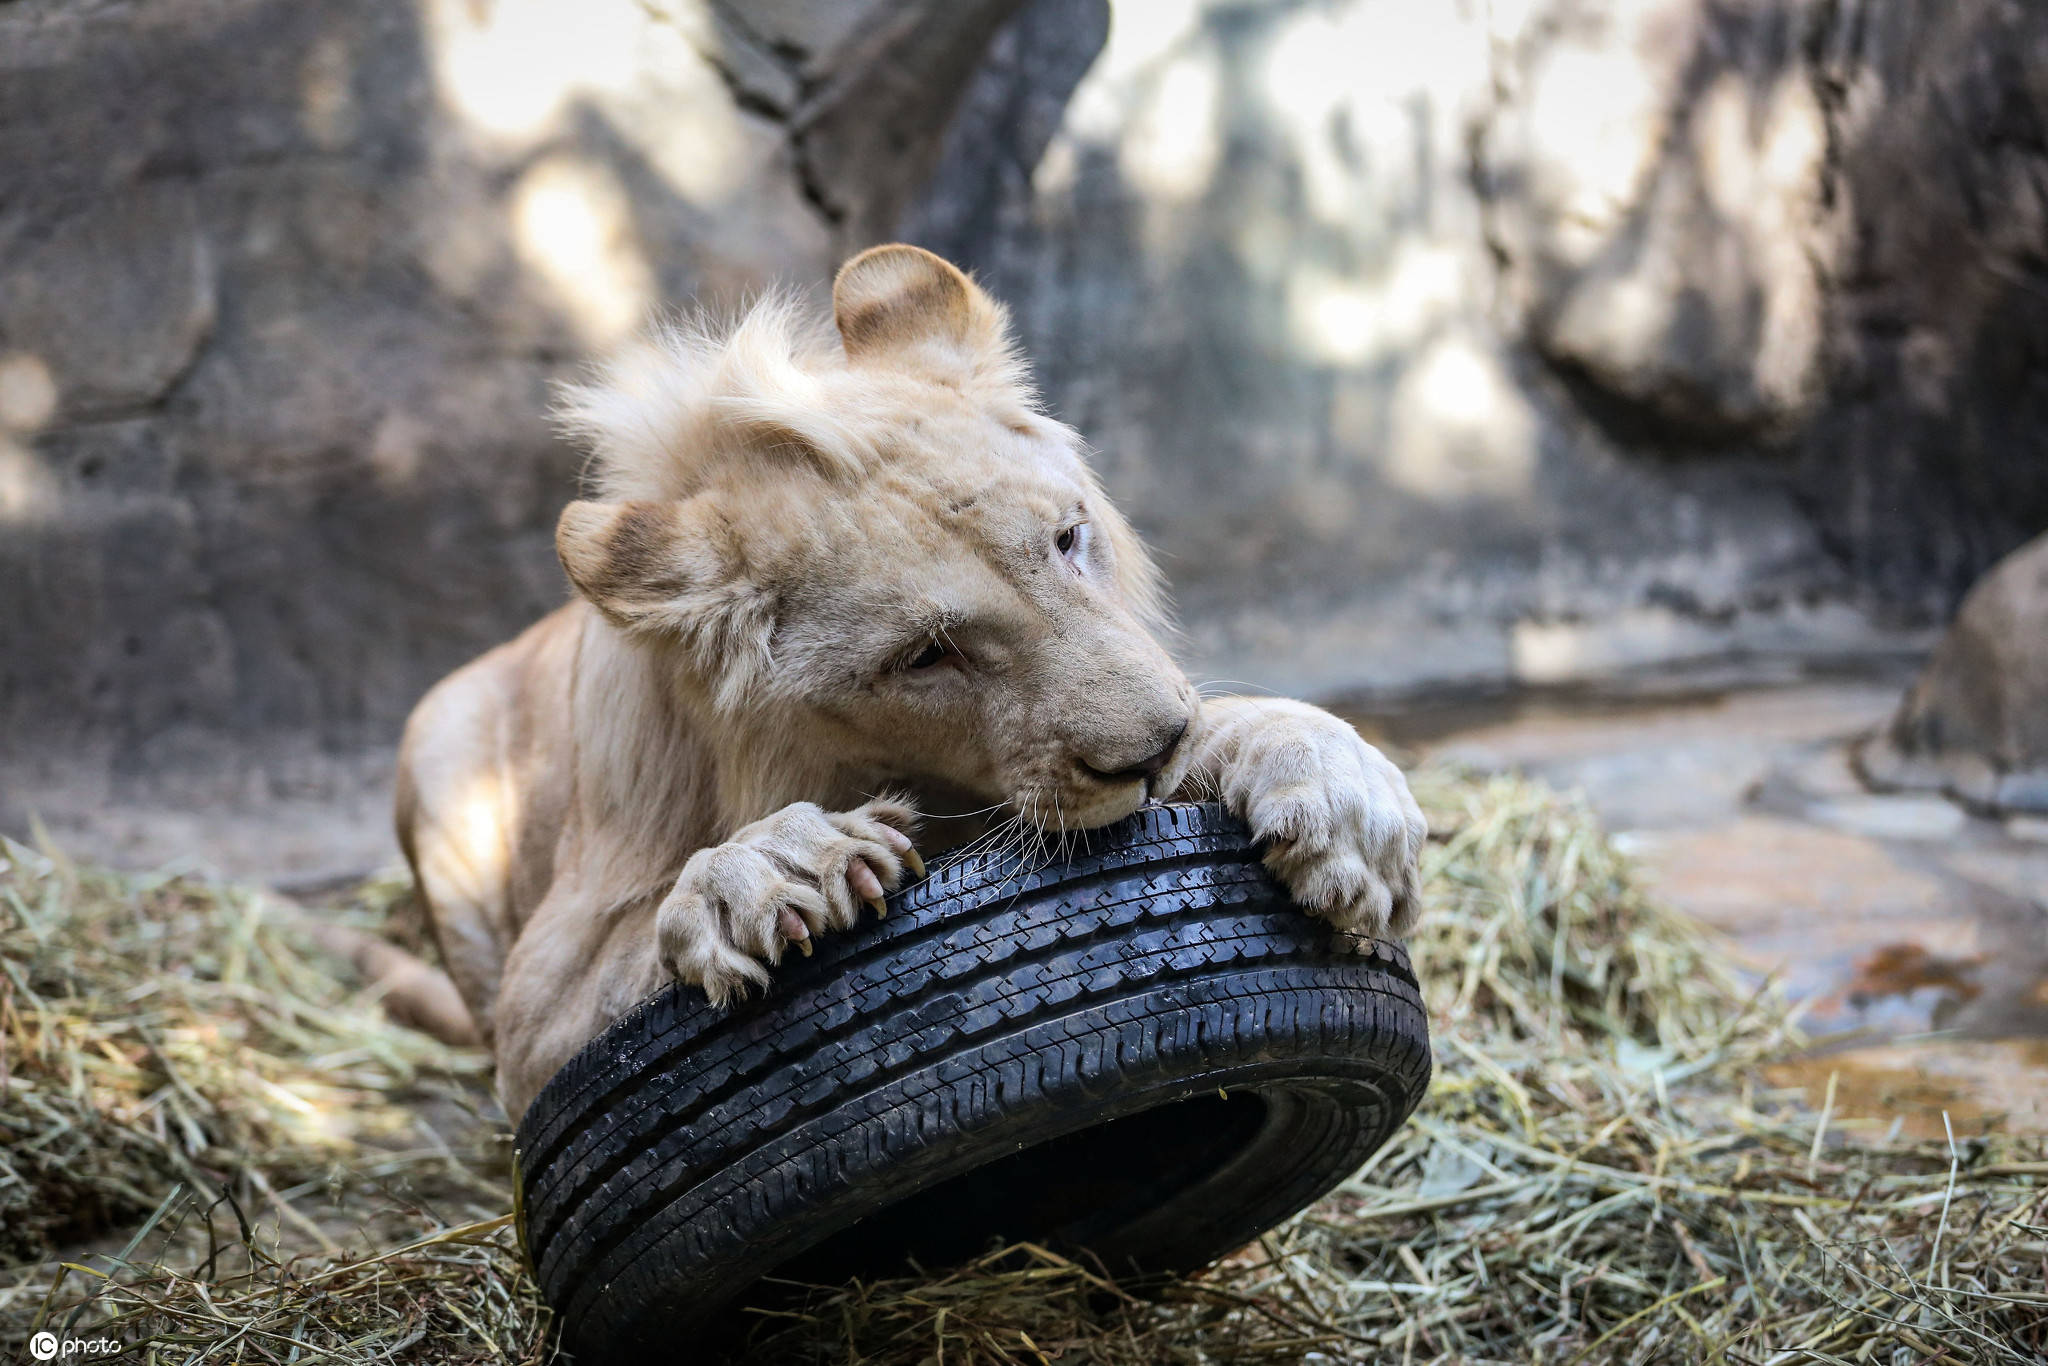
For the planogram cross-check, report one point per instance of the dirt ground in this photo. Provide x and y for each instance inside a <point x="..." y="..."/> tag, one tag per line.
<point x="1914" y="934"/>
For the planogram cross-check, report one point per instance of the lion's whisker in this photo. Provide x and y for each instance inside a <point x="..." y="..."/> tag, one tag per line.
<point x="1203" y="689"/>
<point x="996" y="837"/>
<point x="1021" y="826"/>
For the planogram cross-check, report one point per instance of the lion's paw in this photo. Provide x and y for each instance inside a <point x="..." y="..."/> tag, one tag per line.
<point x="1341" y="830"/>
<point x="780" y="881"/>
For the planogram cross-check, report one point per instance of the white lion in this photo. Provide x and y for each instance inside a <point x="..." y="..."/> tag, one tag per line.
<point x="818" y="569"/>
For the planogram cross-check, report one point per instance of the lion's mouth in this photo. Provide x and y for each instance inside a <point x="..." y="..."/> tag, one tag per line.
<point x="1071" y="810"/>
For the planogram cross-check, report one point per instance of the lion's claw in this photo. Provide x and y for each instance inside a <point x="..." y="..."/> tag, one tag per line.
<point x="780" y="881"/>
<point x="1340" y="827"/>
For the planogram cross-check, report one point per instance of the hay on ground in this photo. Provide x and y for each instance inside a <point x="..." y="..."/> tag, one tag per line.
<point x="177" y="1057"/>
<point x="1597" y="1175"/>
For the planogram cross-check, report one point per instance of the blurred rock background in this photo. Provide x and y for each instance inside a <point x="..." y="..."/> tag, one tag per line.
<point x="1439" y="345"/>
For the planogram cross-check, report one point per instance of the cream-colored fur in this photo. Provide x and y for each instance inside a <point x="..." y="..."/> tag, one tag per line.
<point x="830" y="587"/>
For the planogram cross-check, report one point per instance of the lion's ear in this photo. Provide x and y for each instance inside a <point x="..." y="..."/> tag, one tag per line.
<point x="657" y="566"/>
<point x="902" y="304"/>
<point x="625" y="558"/>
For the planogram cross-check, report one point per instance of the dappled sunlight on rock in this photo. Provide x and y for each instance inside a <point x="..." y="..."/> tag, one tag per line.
<point x="1349" y="295"/>
<point x="511" y="68"/>
<point x="1331" y="317"/>
<point x="613" y="163"/>
<point x="1461" y="427"/>
<point x="1631" y="311"/>
<point x="28" y="400"/>
<point x="1747" y="148"/>
<point x="1599" y="114"/>
<point x="573" y="225"/>
<point x="1761" y="164"/>
<point x="1154" y="102"/>
<point x="1351" y="245"/>
<point x="519" y="78"/>
<point x="298" y="279"/>
<point x="1662" y="219"/>
<point x="1353" y="320"/>
<point x="27" y="493"/>
<point x="1142" y="35"/>
<point x="28" y="394"/>
<point x="1172" y="147"/>
<point x="1369" y="98"/>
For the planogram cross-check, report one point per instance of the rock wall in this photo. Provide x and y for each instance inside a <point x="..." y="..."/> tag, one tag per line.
<point x="1531" y="341"/>
<point x="1809" y="228"/>
<point x="284" y="285"/>
<point x="1432" y="343"/>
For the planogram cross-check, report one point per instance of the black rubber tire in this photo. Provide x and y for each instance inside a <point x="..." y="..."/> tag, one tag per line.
<point x="1146" y="1052"/>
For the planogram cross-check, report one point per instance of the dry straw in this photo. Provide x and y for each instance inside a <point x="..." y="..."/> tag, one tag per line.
<point x="1594" y="1178"/>
<point x="200" y="1121"/>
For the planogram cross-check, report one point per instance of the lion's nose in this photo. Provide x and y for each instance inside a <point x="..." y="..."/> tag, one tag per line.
<point x="1146" y="768"/>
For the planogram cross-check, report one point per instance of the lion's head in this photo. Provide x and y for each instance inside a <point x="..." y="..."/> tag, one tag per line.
<point x="873" y="559"/>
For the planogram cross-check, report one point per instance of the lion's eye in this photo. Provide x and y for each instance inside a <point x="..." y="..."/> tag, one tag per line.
<point x="929" y="657"/>
<point x="1068" y="541"/>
